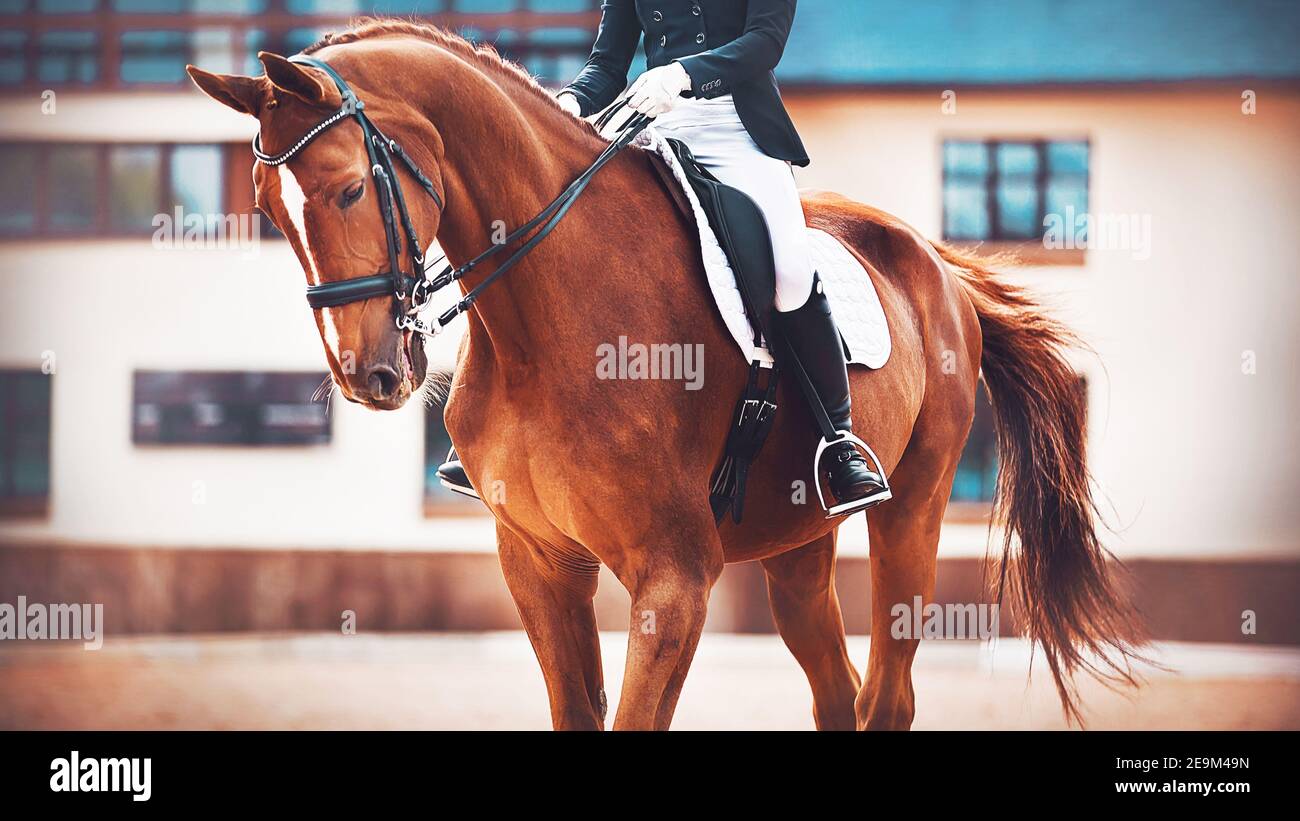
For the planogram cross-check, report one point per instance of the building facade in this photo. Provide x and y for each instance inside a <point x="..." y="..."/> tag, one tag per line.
<point x="158" y="430"/>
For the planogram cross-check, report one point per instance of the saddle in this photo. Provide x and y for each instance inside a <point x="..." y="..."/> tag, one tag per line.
<point x="743" y="234"/>
<point x="741" y="230"/>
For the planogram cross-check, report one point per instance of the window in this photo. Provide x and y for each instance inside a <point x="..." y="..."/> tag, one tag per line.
<point x="134" y="187"/>
<point x="124" y="43"/>
<point x="182" y="6"/>
<point x="553" y="55"/>
<point x="977" y="472"/>
<point x="437" y="499"/>
<point x="154" y="56"/>
<point x="196" y="181"/>
<point x="1003" y="190"/>
<point x="228" y="408"/>
<point x="72" y="172"/>
<point x="24" y="442"/>
<point x="93" y="189"/>
<point x="68" y="57"/>
<point x="17" y="206"/>
<point x="13" y="65"/>
<point x="65" y="6"/>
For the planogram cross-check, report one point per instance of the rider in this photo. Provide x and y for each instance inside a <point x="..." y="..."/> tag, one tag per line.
<point x="710" y="85"/>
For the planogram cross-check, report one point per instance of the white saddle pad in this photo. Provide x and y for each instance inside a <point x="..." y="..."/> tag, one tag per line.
<point x="853" y="298"/>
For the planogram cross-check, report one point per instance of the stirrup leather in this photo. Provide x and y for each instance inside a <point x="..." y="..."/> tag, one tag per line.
<point x="855" y="505"/>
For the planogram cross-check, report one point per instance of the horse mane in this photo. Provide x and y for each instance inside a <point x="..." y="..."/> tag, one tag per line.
<point x="483" y="55"/>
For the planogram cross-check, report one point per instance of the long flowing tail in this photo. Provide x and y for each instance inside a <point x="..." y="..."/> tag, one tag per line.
<point x="1053" y="568"/>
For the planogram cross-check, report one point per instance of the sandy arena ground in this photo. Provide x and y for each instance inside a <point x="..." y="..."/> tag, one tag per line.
<point x="490" y="681"/>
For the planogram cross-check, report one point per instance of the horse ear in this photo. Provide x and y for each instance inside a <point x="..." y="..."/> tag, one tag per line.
<point x="297" y="80"/>
<point x="243" y="94"/>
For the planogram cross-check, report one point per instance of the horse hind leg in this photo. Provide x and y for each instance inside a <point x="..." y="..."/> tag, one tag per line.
<point x="801" y="588"/>
<point x="904" y="549"/>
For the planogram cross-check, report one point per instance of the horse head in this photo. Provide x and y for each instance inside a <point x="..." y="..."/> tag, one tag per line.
<point x="326" y="200"/>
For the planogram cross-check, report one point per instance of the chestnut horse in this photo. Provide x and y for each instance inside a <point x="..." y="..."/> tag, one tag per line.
<point x="581" y="471"/>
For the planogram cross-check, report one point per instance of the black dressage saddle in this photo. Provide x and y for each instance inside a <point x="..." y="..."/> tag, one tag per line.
<point x="742" y="232"/>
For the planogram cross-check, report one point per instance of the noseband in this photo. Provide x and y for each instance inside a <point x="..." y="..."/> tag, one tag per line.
<point x="416" y="286"/>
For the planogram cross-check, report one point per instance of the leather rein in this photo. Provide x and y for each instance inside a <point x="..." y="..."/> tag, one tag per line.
<point x="412" y="293"/>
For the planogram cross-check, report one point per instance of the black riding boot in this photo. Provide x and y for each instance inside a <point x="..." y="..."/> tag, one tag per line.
<point x="810" y="332"/>
<point x="451" y="475"/>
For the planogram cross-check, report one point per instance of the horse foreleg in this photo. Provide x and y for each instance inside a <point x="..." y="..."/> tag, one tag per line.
<point x="670" y="586"/>
<point x="555" y="605"/>
<point x="801" y="587"/>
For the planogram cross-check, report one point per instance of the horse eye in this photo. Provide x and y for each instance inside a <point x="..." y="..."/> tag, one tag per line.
<point x="351" y="195"/>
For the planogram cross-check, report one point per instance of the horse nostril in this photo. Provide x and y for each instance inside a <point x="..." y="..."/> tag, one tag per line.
<point x="383" y="382"/>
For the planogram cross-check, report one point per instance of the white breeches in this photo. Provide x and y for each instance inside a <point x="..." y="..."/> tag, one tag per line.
<point x="713" y="131"/>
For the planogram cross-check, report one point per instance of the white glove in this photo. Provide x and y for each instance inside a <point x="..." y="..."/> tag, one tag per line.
<point x="659" y="89"/>
<point x="569" y="103"/>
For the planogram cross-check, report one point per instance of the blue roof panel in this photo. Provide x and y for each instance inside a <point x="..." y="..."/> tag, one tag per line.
<point x="899" y="42"/>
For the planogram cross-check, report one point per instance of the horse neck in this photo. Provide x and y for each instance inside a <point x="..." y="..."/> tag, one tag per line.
<point x="506" y="155"/>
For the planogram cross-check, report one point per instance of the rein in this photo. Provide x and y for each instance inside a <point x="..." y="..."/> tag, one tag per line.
<point x="392" y="207"/>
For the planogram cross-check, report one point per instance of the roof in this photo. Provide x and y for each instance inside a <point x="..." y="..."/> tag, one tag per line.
<point x="902" y="42"/>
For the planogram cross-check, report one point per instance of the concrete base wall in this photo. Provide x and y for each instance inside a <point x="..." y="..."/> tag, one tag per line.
<point x="188" y="590"/>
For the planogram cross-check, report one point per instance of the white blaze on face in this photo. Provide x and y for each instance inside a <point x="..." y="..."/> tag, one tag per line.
<point x="295" y="203"/>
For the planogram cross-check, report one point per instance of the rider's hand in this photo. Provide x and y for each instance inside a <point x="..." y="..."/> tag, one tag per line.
<point x="659" y="89"/>
<point x="569" y="103"/>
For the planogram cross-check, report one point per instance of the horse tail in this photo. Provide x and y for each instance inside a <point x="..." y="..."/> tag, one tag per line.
<point x="1053" y="566"/>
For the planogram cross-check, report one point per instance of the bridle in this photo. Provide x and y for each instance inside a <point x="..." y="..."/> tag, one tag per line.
<point x="412" y="292"/>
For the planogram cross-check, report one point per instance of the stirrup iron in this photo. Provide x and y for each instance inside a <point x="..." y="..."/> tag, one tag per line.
<point x="845" y="508"/>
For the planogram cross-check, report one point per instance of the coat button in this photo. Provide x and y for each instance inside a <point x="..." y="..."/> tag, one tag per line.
<point x="657" y="16"/>
<point x="663" y="39"/>
<point x="699" y="38"/>
<point x="695" y="10"/>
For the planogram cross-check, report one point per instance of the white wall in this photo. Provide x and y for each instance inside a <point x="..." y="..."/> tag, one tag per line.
<point x="105" y="309"/>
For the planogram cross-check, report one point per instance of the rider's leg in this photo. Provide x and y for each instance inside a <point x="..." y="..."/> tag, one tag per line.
<point x="721" y="144"/>
<point x="810" y="332"/>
